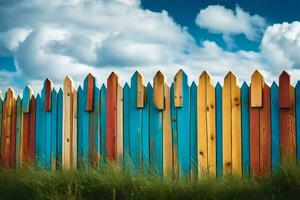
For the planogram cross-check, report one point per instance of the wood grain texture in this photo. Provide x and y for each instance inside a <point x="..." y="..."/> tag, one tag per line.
<point x="38" y="138"/>
<point x="18" y="129"/>
<point x="257" y="83"/>
<point x="275" y="128"/>
<point x="67" y="123"/>
<point x="265" y="134"/>
<point x="13" y="134"/>
<point x="146" y="130"/>
<point x="95" y="130"/>
<point x="126" y="134"/>
<point x="32" y="132"/>
<point x="53" y="129"/>
<point x="48" y="85"/>
<point x="103" y="99"/>
<point x="178" y="89"/>
<point x="119" y="141"/>
<point x="90" y="92"/>
<point x="111" y="114"/>
<point x="59" y="129"/>
<point x="158" y="90"/>
<point x="74" y="130"/>
<point x="297" y="115"/>
<point x="167" y="134"/>
<point x="140" y="101"/>
<point x="174" y="133"/>
<point x="80" y="111"/>
<point x="284" y="91"/>
<point x="27" y="93"/>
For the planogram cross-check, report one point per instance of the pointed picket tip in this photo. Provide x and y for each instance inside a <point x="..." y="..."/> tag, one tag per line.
<point x="205" y="74"/>
<point x="284" y="73"/>
<point x="54" y="91"/>
<point x="103" y="87"/>
<point x="68" y="79"/>
<point x="10" y="93"/>
<point x="90" y="75"/>
<point x="218" y="85"/>
<point x="230" y="75"/>
<point x="284" y="90"/>
<point x="126" y="85"/>
<point x="113" y="75"/>
<point x="256" y="74"/>
<point x="297" y="84"/>
<point x="38" y="97"/>
<point x="28" y="90"/>
<point x="149" y="85"/>
<point x="244" y="85"/>
<point x="27" y="94"/>
<point x="274" y="84"/>
<point x="19" y="98"/>
<point x="194" y="84"/>
<point x="159" y="74"/>
<point x="79" y="88"/>
<point x="60" y="91"/>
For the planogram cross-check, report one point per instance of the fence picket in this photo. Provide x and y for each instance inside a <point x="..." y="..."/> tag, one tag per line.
<point x="219" y="131"/>
<point x="18" y="131"/>
<point x="297" y="109"/>
<point x="275" y="128"/>
<point x="194" y="141"/>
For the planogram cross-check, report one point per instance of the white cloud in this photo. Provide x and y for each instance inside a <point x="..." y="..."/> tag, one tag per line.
<point x="218" y="19"/>
<point x="281" y="46"/>
<point x="75" y="37"/>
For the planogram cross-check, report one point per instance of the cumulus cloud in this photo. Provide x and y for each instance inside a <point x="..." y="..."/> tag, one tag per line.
<point x="281" y="46"/>
<point x="218" y="19"/>
<point x="58" y="38"/>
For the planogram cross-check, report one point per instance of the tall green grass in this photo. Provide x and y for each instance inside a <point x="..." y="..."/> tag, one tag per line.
<point x="114" y="183"/>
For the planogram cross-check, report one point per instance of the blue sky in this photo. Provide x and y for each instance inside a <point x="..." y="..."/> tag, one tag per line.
<point x="55" y="38"/>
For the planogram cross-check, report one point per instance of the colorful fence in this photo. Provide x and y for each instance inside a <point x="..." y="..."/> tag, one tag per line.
<point x="180" y="131"/>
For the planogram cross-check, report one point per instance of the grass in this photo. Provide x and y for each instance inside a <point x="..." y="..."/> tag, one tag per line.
<point x="113" y="183"/>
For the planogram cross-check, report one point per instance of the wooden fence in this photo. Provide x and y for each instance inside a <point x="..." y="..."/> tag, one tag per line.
<point x="179" y="130"/>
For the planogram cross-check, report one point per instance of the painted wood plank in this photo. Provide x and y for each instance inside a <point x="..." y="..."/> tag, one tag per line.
<point x="13" y="134"/>
<point x="174" y="133"/>
<point x="236" y="127"/>
<point x="42" y="130"/>
<point x="47" y="108"/>
<point x="90" y="92"/>
<point x="18" y="130"/>
<point x="103" y="123"/>
<point x="85" y="158"/>
<point x="219" y="146"/>
<point x="194" y="141"/>
<point x="74" y="130"/>
<point x="6" y="128"/>
<point x="265" y="135"/>
<point x="167" y="134"/>
<point x="140" y="91"/>
<point x="178" y="89"/>
<point x="80" y="110"/>
<point x="245" y="129"/>
<point x="95" y="129"/>
<point x="27" y="93"/>
<point x="284" y="91"/>
<point x="275" y="128"/>
<point x="48" y="85"/>
<point x="111" y="114"/>
<point x="226" y="122"/>
<point x="287" y="119"/>
<point x="32" y="132"/>
<point x="67" y="123"/>
<point x="53" y="129"/>
<point x="126" y="136"/>
<point x="183" y="128"/>
<point x="59" y="128"/>
<point x="297" y="114"/>
<point x="146" y="130"/>
<point x="156" y="139"/>
<point x="257" y="83"/>
<point x="119" y="142"/>
<point x="202" y="123"/>
<point x="135" y="125"/>
<point x="38" y="143"/>
<point x="158" y="90"/>
<point x="24" y="149"/>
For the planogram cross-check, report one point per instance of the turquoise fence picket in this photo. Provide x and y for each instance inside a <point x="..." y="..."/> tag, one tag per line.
<point x="194" y="138"/>
<point x="1" y="109"/>
<point x="183" y="130"/>
<point x="174" y="133"/>
<point x="38" y="137"/>
<point x="53" y="128"/>
<point x="275" y="128"/>
<point x="80" y="110"/>
<point x="85" y="127"/>
<point x="95" y="115"/>
<point x="59" y="128"/>
<point x="103" y="123"/>
<point x="245" y="129"/>
<point x="146" y="129"/>
<point x="47" y="132"/>
<point x="219" y="143"/>
<point x="126" y="121"/>
<point x="135" y="125"/>
<point x="18" y="130"/>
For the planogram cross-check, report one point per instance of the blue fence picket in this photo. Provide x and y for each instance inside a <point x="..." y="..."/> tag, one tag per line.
<point x="59" y="128"/>
<point x="47" y="133"/>
<point x="194" y="138"/>
<point x="18" y="129"/>
<point x="85" y="128"/>
<point x="245" y="129"/>
<point x="103" y="123"/>
<point x="53" y="128"/>
<point x="146" y="130"/>
<point x="80" y="110"/>
<point x="96" y="123"/>
<point x="183" y="129"/>
<point x="275" y="135"/>
<point x="156" y="131"/>
<point x="219" y="133"/>
<point x="297" y="101"/>
<point x="135" y="126"/>
<point x="38" y="136"/>
<point x="174" y="133"/>
<point x="126" y="122"/>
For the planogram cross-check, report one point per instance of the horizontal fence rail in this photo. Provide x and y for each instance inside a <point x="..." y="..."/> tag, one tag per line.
<point x="178" y="130"/>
